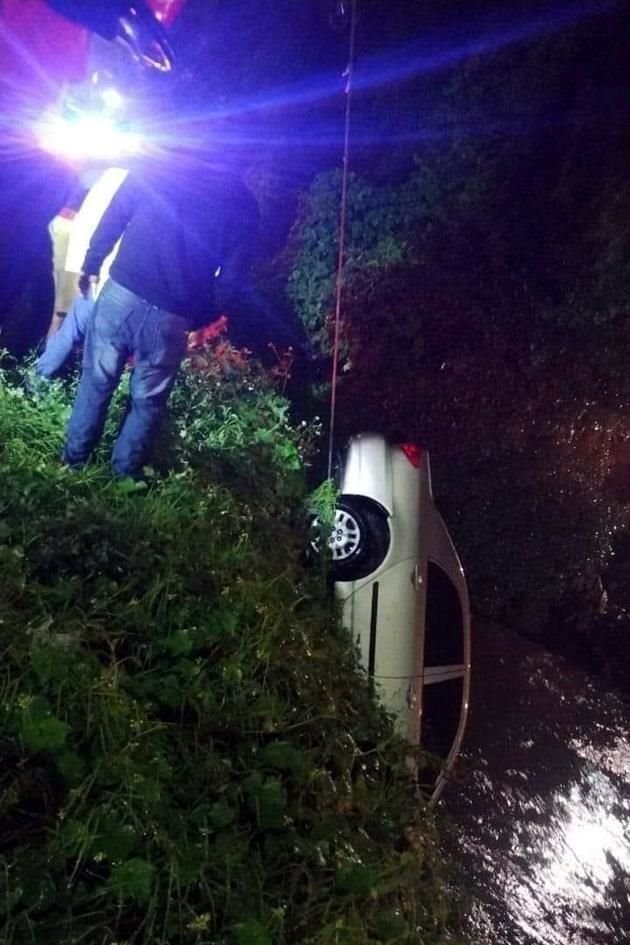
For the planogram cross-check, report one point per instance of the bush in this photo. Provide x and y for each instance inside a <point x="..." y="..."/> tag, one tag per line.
<point x="189" y="750"/>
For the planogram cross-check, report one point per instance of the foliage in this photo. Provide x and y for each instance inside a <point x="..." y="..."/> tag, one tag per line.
<point x="322" y="501"/>
<point x="225" y="409"/>
<point x="190" y="753"/>
<point x="379" y="218"/>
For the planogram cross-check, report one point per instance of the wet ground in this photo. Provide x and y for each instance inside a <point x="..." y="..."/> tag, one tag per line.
<point x="542" y="816"/>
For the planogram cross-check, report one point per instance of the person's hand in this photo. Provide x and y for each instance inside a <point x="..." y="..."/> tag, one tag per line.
<point x="87" y="284"/>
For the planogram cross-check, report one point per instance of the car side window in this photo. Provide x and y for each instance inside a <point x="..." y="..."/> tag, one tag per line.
<point x="444" y="625"/>
<point x="443" y="684"/>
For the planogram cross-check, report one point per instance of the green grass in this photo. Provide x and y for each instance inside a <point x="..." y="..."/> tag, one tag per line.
<point x="189" y="752"/>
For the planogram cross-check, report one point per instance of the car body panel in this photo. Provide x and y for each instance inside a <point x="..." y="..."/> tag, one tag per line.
<point x="379" y="613"/>
<point x="411" y="615"/>
<point x="368" y="471"/>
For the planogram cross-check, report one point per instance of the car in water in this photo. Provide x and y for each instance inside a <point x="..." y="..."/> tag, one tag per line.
<point x="404" y="597"/>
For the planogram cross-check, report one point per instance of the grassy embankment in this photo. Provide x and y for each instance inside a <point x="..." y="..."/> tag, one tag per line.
<point x="188" y="749"/>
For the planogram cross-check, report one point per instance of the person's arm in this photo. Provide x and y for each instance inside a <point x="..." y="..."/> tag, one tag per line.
<point x="111" y="227"/>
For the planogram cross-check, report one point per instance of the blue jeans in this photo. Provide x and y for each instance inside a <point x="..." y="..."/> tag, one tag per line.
<point x="124" y="325"/>
<point x="71" y="332"/>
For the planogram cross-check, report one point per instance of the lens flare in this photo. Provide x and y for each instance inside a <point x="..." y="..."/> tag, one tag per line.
<point x="86" y="136"/>
<point x="112" y="99"/>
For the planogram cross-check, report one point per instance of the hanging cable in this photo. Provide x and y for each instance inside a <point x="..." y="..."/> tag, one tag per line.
<point x="349" y="75"/>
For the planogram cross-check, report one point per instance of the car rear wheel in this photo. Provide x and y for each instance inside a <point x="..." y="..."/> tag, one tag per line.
<point x="359" y="538"/>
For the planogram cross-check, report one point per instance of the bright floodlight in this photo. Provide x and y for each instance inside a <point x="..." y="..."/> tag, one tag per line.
<point x="86" y="136"/>
<point x="112" y="99"/>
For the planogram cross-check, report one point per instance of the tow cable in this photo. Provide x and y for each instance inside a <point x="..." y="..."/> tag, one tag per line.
<point x="343" y="213"/>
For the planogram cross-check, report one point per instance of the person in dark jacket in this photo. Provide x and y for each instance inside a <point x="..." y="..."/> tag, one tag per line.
<point x="186" y="241"/>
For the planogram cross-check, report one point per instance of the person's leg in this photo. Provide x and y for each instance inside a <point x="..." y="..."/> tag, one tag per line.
<point x="160" y="345"/>
<point x="107" y="347"/>
<point x="60" y="345"/>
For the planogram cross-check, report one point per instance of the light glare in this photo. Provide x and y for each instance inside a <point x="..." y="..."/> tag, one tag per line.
<point x="112" y="99"/>
<point x="86" y="137"/>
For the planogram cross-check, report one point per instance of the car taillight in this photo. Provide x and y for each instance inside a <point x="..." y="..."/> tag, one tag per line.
<point x="412" y="452"/>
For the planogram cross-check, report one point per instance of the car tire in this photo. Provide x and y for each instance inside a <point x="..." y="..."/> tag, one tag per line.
<point x="359" y="539"/>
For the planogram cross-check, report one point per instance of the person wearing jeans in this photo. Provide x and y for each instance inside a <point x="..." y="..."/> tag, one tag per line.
<point x="124" y="325"/>
<point x="182" y="254"/>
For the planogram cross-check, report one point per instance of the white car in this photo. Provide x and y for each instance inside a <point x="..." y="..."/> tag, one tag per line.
<point x="404" y="595"/>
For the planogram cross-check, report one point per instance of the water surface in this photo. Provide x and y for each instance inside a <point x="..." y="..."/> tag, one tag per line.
<point x="542" y="816"/>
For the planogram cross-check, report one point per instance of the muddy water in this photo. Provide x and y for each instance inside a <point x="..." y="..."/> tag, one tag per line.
<point x="542" y="814"/>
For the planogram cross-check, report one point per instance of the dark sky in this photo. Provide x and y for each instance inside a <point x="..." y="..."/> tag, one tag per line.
<point x="235" y="50"/>
<point x="269" y="73"/>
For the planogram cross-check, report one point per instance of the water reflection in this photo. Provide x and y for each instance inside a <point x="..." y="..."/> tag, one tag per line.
<point x="575" y="856"/>
<point x="589" y="837"/>
<point x="543" y="816"/>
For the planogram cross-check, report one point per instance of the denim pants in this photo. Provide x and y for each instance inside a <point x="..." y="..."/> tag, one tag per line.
<point x="125" y="325"/>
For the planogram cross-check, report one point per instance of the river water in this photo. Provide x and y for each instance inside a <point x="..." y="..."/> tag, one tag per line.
<point x="541" y="813"/>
